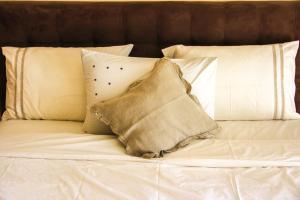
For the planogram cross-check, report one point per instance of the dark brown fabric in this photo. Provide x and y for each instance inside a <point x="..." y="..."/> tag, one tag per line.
<point x="151" y="26"/>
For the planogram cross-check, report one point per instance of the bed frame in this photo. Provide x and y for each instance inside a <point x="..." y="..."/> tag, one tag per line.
<point x="151" y="26"/>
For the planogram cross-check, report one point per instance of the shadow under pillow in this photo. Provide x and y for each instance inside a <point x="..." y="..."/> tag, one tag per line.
<point x="158" y="114"/>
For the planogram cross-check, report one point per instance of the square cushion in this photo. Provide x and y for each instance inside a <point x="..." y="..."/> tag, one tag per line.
<point x="107" y="76"/>
<point x="153" y="118"/>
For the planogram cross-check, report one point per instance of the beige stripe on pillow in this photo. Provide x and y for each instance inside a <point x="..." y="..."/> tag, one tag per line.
<point x="282" y="81"/>
<point x="22" y="85"/>
<point x="275" y="82"/>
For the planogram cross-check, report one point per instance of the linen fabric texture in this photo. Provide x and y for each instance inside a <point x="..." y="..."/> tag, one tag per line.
<point x="151" y="118"/>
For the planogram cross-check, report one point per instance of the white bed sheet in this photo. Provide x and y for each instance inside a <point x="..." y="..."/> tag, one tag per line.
<point x="56" y="160"/>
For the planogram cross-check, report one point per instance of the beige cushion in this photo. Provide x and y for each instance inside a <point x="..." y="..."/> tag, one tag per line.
<point x="47" y="83"/>
<point x="153" y="118"/>
<point x="107" y="76"/>
<point x="254" y="82"/>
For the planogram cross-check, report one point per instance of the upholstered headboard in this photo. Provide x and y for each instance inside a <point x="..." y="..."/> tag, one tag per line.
<point x="149" y="25"/>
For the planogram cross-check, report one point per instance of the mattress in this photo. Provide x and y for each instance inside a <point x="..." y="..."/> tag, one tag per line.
<point x="57" y="160"/>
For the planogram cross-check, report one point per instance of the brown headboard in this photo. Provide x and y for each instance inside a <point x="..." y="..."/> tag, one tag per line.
<point x="149" y="25"/>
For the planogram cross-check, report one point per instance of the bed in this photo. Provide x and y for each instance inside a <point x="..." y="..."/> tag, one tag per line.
<point x="56" y="160"/>
<point x="44" y="159"/>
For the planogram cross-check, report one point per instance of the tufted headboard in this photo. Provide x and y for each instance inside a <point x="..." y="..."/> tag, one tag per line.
<point x="149" y="25"/>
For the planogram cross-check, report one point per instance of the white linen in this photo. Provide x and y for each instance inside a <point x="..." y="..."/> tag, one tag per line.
<point x="47" y="82"/>
<point x="108" y="76"/>
<point x="55" y="160"/>
<point x="253" y="82"/>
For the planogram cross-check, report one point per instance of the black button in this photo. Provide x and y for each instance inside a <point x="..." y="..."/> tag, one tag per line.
<point x="95" y="79"/>
<point x="121" y="68"/>
<point x="107" y="67"/>
<point x="109" y="83"/>
<point x="94" y="66"/>
<point x="96" y="94"/>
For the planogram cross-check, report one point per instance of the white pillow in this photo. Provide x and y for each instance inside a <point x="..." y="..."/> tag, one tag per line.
<point x="254" y="82"/>
<point x="108" y="76"/>
<point x="47" y="83"/>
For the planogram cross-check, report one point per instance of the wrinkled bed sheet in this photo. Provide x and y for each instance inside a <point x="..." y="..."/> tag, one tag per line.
<point x="56" y="160"/>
